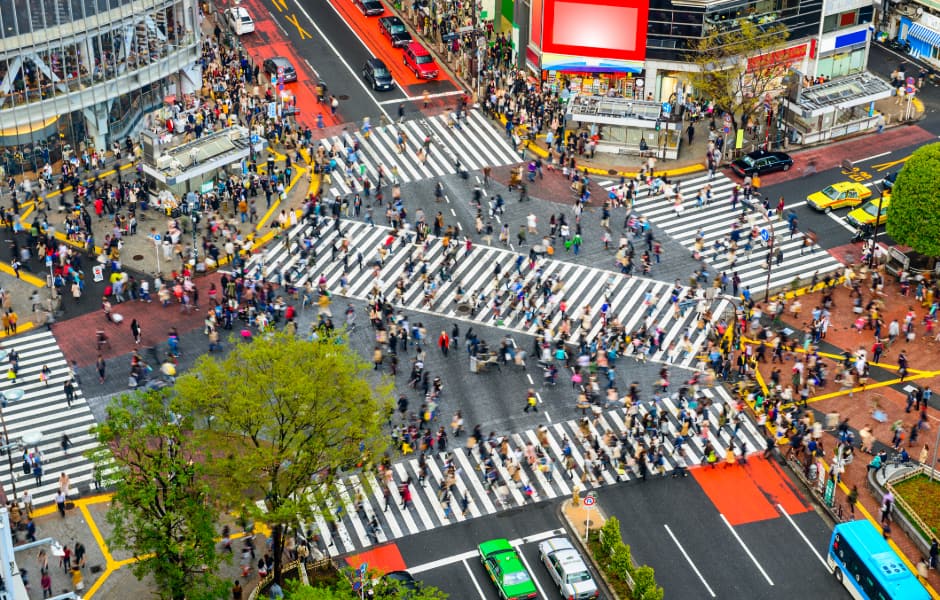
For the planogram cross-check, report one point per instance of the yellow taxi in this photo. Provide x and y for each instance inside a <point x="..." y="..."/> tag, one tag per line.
<point x="867" y="213"/>
<point x="838" y="195"/>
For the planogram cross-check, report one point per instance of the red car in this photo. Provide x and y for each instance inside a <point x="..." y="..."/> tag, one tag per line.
<point x="420" y="61"/>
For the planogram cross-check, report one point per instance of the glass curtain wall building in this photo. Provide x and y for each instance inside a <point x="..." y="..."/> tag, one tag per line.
<point x="79" y="75"/>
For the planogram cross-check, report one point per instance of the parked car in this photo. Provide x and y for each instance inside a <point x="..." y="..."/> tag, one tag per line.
<point x="420" y="61"/>
<point x="838" y="195"/>
<point x="505" y="568"/>
<point x="760" y="162"/>
<point x="240" y="20"/>
<point x="271" y="66"/>
<point x="377" y="74"/>
<point x="370" y="8"/>
<point x="394" y="29"/>
<point x="867" y="213"/>
<point x="888" y="182"/>
<point x="568" y="569"/>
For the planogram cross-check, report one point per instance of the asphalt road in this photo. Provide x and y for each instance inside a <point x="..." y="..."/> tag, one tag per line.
<point x="331" y="41"/>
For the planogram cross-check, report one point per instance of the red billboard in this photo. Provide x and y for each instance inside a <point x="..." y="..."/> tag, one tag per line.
<point x="611" y="29"/>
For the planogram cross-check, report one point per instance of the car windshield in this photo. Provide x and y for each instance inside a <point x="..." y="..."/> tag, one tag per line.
<point x="380" y="72"/>
<point x="748" y="161"/>
<point x="396" y="28"/>
<point x="246" y="19"/>
<point x="516" y="578"/>
<point x="577" y="577"/>
<point x="871" y="208"/>
<point x="831" y="192"/>
<point x="423" y="60"/>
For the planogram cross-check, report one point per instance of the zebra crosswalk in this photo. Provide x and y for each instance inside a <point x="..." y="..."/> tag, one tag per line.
<point x="634" y="301"/>
<point x="43" y="413"/>
<point x="544" y="463"/>
<point x="473" y="141"/>
<point x="713" y="222"/>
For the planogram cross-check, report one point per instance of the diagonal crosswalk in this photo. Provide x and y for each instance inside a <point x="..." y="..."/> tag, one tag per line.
<point x="634" y="301"/>
<point x="553" y="460"/>
<point x="43" y="410"/>
<point x="474" y="142"/>
<point x="713" y="222"/>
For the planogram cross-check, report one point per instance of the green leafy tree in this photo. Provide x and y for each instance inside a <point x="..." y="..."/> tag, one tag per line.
<point x="610" y="535"/>
<point x="914" y="216"/>
<point x="645" y="587"/>
<point x="721" y="72"/>
<point x="161" y="510"/>
<point x="381" y="589"/>
<point x="286" y="416"/>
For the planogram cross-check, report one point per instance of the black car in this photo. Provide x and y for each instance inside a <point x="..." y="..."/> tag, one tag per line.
<point x="760" y="162"/>
<point x="888" y="182"/>
<point x="394" y="29"/>
<point x="377" y="74"/>
<point x="370" y="8"/>
<point x="271" y="66"/>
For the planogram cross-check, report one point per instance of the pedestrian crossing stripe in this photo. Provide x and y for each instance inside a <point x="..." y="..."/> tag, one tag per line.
<point x="584" y="286"/>
<point x="714" y="222"/>
<point x="43" y="409"/>
<point x="473" y="142"/>
<point x="344" y="529"/>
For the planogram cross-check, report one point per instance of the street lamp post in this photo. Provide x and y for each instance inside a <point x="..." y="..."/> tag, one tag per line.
<point x="874" y="230"/>
<point x="771" y="242"/>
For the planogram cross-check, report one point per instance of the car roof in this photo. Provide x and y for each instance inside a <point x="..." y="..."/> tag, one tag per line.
<point x="495" y="545"/>
<point x="239" y="10"/>
<point x="847" y="185"/>
<point x="376" y="63"/>
<point x="417" y="49"/>
<point x="393" y="19"/>
<point x="556" y="544"/>
<point x="281" y="61"/>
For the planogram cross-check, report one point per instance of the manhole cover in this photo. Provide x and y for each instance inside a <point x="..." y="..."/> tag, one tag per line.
<point x="343" y="97"/>
<point x="611" y="171"/>
<point x="137" y="257"/>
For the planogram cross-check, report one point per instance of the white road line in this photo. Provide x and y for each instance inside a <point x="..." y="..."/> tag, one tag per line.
<point x="803" y="535"/>
<point x="355" y="74"/>
<point x="456" y="558"/>
<point x="840" y="221"/>
<point x="747" y="550"/>
<point x="528" y="568"/>
<point x="472" y="578"/>
<point x="871" y="157"/>
<point x="689" y="560"/>
<point x="440" y="95"/>
<point x="443" y="562"/>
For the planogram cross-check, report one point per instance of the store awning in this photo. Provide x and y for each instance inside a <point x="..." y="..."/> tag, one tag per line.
<point x="924" y="34"/>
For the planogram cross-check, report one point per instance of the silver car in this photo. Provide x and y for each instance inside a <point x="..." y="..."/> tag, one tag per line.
<point x="568" y="570"/>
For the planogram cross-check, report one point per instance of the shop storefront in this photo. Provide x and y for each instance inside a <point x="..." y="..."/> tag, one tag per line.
<point x="842" y="55"/>
<point x="835" y="108"/>
<point x="923" y="36"/>
<point x="612" y="85"/>
<point x="626" y="127"/>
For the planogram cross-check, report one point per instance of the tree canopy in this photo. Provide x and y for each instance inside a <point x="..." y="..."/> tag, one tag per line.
<point x="295" y="412"/>
<point x="161" y="509"/>
<point x="722" y="73"/>
<point x="381" y="588"/>
<point x="914" y="215"/>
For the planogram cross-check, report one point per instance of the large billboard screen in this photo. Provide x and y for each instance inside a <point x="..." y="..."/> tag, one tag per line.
<point x="611" y="29"/>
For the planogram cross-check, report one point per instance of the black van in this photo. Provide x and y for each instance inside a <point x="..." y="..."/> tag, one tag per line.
<point x="377" y="74"/>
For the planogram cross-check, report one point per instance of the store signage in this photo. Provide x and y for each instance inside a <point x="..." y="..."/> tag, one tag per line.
<point x="595" y="29"/>
<point x="783" y="58"/>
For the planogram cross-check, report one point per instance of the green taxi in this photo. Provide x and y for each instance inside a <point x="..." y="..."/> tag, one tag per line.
<point x="505" y="568"/>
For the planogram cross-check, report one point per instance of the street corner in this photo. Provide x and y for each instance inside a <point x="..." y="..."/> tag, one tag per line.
<point x="382" y="559"/>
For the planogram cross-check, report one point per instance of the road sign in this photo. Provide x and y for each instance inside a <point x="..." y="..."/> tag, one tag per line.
<point x="362" y="569"/>
<point x="98" y="271"/>
<point x="589" y="500"/>
<point x="667" y="108"/>
<point x="830" y="490"/>
<point x="726" y="128"/>
<point x="764" y="234"/>
<point x="727" y="118"/>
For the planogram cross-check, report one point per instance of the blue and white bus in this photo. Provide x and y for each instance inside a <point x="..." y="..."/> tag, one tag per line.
<point x="866" y="565"/>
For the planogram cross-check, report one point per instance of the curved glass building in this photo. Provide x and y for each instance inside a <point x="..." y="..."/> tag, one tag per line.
<point x="81" y="74"/>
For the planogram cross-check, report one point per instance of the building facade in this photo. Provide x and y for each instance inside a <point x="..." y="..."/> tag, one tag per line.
<point x="827" y="38"/>
<point x="78" y="75"/>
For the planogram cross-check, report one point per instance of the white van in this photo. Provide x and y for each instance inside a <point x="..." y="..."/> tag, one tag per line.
<point x="240" y="21"/>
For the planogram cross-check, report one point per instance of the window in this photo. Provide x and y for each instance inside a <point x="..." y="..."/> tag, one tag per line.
<point x="847" y="19"/>
<point x="829" y="23"/>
